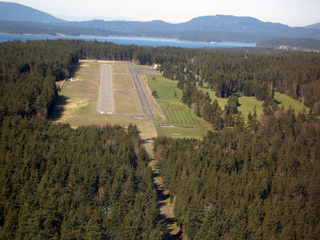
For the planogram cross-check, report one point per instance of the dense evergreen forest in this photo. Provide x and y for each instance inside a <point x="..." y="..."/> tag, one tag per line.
<point x="62" y="183"/>
<point x="88" y="183"/>
<point x="258" y="179"/>
<point x="255" y="181"/>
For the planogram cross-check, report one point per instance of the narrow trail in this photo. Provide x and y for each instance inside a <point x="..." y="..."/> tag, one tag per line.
<point x="161" y="196"/>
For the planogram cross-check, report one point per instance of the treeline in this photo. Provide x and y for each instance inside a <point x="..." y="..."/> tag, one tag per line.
<point x="252" y="74"/>
<point x="228" y="73"/>
<point x="28" y="72"/>
<point x="302" y="44"/>
<point x="62" y="183"/>
<point x="255" y="181"/>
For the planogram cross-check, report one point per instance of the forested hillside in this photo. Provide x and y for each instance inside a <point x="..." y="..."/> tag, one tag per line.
<point x="14" y="27"/>
<point x="259" y="181"/>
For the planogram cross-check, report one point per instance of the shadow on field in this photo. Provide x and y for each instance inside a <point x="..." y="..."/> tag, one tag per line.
<point x="277" y="101"/>
<point x="58" y="108"/>
<point x="75" y="68"/>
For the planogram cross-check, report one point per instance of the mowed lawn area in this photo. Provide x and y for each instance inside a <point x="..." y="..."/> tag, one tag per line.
<point x="77" y="102"/>
<point x="176" y="113"/>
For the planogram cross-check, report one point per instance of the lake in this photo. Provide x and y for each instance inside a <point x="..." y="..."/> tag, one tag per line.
<point x="153" y="42"/>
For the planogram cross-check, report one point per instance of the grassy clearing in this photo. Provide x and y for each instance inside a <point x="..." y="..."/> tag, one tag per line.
<point x="77" y="102"/>
<point x="127" y="102"/>
<point x="176" y="113"/>
<point x="123" y="81"/>
<point x="247" y="104"/>
<point x="286" y="102"/>
<point x="196" y="132"/>
<point x="78" y="98"/>
<point x="120" y="68"/>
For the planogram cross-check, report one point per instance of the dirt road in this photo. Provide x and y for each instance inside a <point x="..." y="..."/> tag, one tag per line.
<point x="161" y="196"/>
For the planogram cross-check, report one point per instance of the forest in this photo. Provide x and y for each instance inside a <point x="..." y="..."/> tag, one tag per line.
<point x="62" y="183"/>
<point x="257" y="179"/>
<point x="254" y="181"/>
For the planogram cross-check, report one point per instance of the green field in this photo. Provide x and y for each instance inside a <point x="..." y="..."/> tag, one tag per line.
<point x="286" y="102"/>
<point x="176" y="113"/>
<point x="247" y="104"/>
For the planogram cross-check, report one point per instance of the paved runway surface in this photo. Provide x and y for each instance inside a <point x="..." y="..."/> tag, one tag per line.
<point x="143" y="99"/>
<point x="140" y="71"/>
<point x="105" y="100"/>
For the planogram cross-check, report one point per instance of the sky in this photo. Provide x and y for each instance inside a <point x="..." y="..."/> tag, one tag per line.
<point x="289" y="12"/>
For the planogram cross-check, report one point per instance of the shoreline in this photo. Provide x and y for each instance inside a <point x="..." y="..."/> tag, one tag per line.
<point x="133" y="37"/>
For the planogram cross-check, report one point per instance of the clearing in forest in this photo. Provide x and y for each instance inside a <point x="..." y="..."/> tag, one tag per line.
<point x="179" y="115"/>
<point x="77" y="101"/>
<point x="247" y="104"/>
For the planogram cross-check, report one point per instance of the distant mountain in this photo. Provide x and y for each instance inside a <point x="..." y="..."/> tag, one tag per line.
<point x="17" y="12"/>
<point x="229" y="23"/>
<point x="316" y="25"/>
<point x="126" y="26"/>
<point x="208" y="24"/>
<point x="216" y="28"/>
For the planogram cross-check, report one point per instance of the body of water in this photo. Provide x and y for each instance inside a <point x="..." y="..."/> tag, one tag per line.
<point x="153" y="42"/>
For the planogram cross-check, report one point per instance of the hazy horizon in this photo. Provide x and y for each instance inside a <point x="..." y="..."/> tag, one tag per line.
<point x="293" y="13"/>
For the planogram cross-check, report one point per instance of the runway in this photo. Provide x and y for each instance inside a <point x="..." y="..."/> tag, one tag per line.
<point x="143" y="99"/>
<point x="105" y="99"/>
